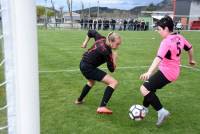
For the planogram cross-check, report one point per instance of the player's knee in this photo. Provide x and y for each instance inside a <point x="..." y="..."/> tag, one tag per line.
<point x="113" y="83"/>
<point x="91" y="83"/>
<point x="143" y="90"/>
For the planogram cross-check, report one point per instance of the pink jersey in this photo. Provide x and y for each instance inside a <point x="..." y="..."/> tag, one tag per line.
<point x="170" y="52"/>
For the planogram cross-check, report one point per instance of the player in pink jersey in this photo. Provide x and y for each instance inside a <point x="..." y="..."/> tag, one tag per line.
<point x="168" y="63"/>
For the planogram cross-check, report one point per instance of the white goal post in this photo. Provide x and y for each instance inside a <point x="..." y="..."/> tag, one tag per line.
<point x="21" y="66"/>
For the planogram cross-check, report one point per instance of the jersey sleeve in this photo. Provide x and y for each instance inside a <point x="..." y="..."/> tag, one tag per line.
<point x="163" y="49"/>
<point x="91" y="33"/>
<point x="187" y="45"/>
<point x="94" y="34"/>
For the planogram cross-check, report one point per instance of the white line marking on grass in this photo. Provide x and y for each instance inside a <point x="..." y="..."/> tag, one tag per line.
<point x="192" y="68"/>
<point x="69" y="49"/>
<point x="118" y="68"/>
<point x="59" y="71"/>
<point x="76" y="70"/>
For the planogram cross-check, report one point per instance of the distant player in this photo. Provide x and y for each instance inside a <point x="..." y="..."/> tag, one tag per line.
<point x="103" y="51"/>
<point x="168" y="63"/>
<point x="179" y="26"/>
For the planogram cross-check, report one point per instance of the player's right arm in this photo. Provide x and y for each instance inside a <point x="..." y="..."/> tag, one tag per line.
<point x="164" y="47"/>
<point x="151" y="69"/>
<point x="90" y="34"/>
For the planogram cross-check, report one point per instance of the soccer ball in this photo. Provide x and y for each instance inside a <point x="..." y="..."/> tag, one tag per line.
<point x="137" y="112"/>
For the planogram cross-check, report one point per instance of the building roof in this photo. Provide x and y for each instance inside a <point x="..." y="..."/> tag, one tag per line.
<point x="68" y="14"/>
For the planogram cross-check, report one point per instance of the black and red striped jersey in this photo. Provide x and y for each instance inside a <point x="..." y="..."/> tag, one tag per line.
<point x="99" y="54"/>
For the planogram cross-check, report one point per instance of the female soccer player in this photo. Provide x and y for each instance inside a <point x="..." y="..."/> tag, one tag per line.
<point x="168" y="61"/>
<point x="103" y="51"/>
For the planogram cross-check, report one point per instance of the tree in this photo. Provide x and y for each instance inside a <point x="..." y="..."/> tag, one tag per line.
<point x="61" y="13"/>
<point x="50" y="13"/>
<point x="82" y="8"/>
<point x="69" y="4"/>
<point x="53" y="7"/>
<point x="40" y="11"/>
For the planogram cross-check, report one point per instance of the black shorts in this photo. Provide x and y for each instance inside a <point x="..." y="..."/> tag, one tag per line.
<point x="90" y="72"/>
<point x="156" y="81"/>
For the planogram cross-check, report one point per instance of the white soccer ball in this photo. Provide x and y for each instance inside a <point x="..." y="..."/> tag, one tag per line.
<point x="137" y="112"/>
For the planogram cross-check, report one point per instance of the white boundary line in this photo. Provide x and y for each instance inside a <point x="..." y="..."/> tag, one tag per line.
<point x="76" y="70"/>
<point x="118" y="68"/>
<point x="2" y="108"/>
<point x="2" y="128"/>
<point x="3" y="83"/>
<point x="2" y="62"/>
<point x="189" y="67"/>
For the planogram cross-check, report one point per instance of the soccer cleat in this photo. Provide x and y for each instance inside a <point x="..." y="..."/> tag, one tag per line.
<point x="162" y="116"/>
<point x="79" y="102"/>
<point x="103" y="110"/>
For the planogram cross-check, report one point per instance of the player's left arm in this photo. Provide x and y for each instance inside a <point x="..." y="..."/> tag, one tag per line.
<point x="188" y="47"/>
<point x="114" y="56"/>
<point x="84" y="45"/>
<point x="109" y="57"/>
<point x="110" y="64"/>
<point x="112" y="61"/>
<point x="192" y="62"/>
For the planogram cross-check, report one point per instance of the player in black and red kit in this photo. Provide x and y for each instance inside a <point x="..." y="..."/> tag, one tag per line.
<point x="102" y="51"/>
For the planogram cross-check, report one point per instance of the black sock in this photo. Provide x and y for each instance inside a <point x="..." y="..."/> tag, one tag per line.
<point x="145" y="102"/>
<point x="152" y="99"/>
<point x="85" y="91"/>
<point x="107" y="95"/>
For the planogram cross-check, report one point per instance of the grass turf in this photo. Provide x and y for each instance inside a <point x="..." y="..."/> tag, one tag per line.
<point x="60" y="50"/>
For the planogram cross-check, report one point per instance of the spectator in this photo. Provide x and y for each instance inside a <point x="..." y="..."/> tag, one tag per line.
<point x="142" y="25"/>
<point x="113" y="23"/>
<point x="86" y="24"/>
<point x="99" y="24"/>
<point x="125" y="23"/>
<point x="90" y="23"/>
<point x="81" y="22"/>
<point x="179" y="26"/>
<point x="135" y="25"/>
<point x="120" y="25"/>
<point x="138" y="25"/>
<point x="95" y="24"/>
<point x="130" y="24"/>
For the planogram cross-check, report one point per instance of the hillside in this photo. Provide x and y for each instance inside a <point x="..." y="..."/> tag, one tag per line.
<point x="165" y="5"/>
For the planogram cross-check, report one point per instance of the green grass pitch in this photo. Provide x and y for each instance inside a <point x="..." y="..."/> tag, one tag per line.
<point x="60" y="50"/>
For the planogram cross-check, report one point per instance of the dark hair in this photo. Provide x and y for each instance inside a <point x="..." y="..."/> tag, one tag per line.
<point x="166" y="22"/>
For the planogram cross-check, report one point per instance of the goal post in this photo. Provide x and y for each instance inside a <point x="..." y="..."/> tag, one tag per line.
<point x="21" y="66"/>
